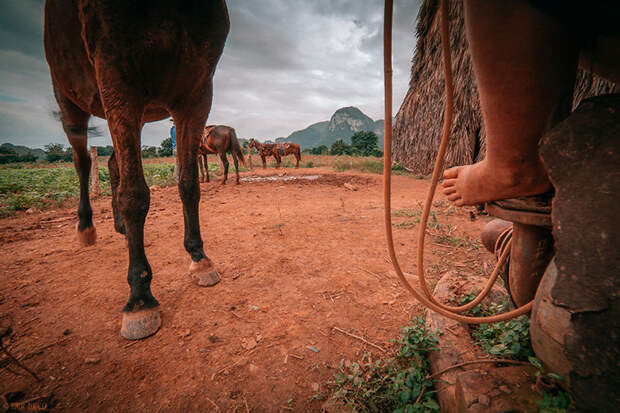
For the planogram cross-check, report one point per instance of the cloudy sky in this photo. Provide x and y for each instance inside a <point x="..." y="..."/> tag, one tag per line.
<point x="286" y="64"/>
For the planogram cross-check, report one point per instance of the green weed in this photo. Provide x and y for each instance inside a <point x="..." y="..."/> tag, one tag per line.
<point x="399" y="384"/>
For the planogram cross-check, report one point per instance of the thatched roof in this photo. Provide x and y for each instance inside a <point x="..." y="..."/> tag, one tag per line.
<point x="417" y="129"/>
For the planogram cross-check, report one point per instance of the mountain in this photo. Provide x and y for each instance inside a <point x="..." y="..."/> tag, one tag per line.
<point x="23" y="150"/>
<point x="342" y="125"/>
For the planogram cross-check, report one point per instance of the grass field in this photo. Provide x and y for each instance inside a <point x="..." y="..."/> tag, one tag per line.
<point x="42" y="185"/>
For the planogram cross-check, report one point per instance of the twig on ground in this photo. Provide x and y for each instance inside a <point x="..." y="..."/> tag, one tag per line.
<point x="234" y="364"/>
<point x="19" y="363"/>
<point x="241" y="318"/>
<point x="420" y="395"/>
<point x="213" y="403"/>
<point x="247" y="409"/>
<point x="359" y="338"/>
<point x="296" y="356"/>
<point x="371" y="273"/>
<point x="45" y="347"/>
<point x="466" y="363"/>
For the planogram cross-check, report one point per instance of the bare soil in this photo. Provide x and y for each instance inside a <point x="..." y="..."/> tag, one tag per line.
<point x="296" y="257"/>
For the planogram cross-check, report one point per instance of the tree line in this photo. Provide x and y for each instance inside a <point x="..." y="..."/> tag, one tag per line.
<point x="363" y="143"/>
<point x="57" y="152"/>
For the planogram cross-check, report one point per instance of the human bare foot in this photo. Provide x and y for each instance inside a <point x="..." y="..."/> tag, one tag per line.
<point x="478" y="183"/>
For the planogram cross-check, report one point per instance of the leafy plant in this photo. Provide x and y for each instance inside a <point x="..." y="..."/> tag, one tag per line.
<point x="554" y="399"/>
<point x="399" y="384"/>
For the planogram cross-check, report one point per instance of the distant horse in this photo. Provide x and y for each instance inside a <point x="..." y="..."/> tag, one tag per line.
<point x="288" y="148"/>
<point x="131" y="64"/>
<point x="265" y="150"/>
<point x="219" y="139"/>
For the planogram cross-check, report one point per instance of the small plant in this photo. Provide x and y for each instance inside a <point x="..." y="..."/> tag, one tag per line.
<point x="408" y="212"/>
<point x="554" y="399"/>
<point x="399" y="384"/>
<point x="509" y="338"/>
<point x="309" y="165"/>
<point x="406" y="224"/>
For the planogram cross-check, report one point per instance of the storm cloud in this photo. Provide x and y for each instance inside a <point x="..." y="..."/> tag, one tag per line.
<point x="286" y="64"/>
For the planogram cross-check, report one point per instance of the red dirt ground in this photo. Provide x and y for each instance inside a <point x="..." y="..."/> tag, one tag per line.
<point x="296" y="258"/>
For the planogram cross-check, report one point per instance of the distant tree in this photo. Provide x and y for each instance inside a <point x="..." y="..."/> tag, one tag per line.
<point x="338" y="148"/>
<point x="165" y="148"/>
<point x="320" y="150"/>
<point x="105" y="150"/>
<point x="306" y="150"/>
<point x="56" y="152"/>
<point x="7" y="155"/>
<point x="365" y="143"/>
<point x="149" y="151"/>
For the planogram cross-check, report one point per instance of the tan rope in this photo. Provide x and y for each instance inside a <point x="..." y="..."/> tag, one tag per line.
<point x="426" y="298"/>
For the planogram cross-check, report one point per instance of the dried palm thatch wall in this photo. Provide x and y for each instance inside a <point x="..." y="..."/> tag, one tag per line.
<point x="417" y="129"/>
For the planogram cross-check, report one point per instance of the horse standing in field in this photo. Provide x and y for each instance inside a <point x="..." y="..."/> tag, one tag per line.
<point x="217" y="140"/>
<point x="290" y="148"/>
<point x="132" y="62"/>
<point x="265" y="150"/>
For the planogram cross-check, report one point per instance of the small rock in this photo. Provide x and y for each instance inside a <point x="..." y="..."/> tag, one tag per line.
<point x="484" y="400"/>
<point x="350" y="186"/>
<point x="254" y="307"/>
<point x="92" y="360"/>
<point x="505" y="389"/>
<point x="312" y="348"/>
<point x="186" y="333"/>
<point x="248" y="344"/>
<point x="155" y="188"/>
<point x="315" y="387"/>
<point x="30" y="211"/>
<point x="66" y="332"/>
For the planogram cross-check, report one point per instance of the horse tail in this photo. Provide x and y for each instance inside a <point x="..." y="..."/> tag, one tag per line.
<point x="235" y="146"/>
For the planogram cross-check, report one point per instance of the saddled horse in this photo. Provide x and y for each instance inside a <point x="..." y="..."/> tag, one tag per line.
<point x="217" y="140"/>
<point x="290" y="148"/>
<point x="130" y="63"/>
<point x="266" y="150"/>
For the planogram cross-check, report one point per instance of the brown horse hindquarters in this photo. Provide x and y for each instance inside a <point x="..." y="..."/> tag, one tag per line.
<point x="115" y="69"/>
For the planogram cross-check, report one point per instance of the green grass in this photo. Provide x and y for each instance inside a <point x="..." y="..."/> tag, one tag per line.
<point x="23" y="188"/>
<point x="399" y="384"/>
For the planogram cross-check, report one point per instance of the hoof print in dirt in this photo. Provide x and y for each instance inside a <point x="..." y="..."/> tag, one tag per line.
<point x="140" y="324"/>
<point x="203" y="275"/>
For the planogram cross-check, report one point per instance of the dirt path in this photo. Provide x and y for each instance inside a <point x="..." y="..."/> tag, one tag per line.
<point x="297" y="258"/>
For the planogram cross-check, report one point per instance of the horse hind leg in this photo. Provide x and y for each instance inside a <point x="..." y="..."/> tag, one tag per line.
<point x="201" y="167"/>
<point x="189" y="124"/>
<point x="114" y="182"/>
<point x="236" y="162"/>
<point x="224" y="159"/>
<point x="206" y="162"/>
<point x="75" y="125"/>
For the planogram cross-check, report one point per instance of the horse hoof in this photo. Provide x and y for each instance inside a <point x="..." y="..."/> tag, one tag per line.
<point x="87" y="237"/>
<point x="140" y="324"/>
<point x="203" y="273"/>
